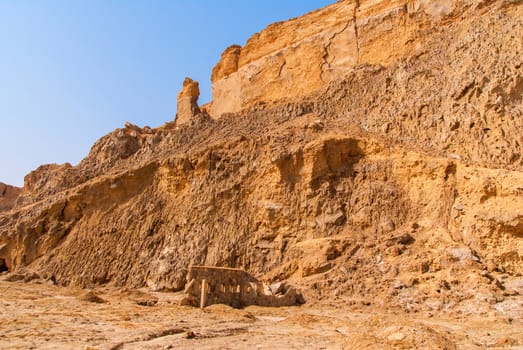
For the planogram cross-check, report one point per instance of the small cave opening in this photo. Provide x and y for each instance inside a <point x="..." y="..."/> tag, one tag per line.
<point x="3" y="266"/>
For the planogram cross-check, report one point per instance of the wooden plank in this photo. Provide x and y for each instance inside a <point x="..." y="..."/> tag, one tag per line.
<point x="203" y="296"/>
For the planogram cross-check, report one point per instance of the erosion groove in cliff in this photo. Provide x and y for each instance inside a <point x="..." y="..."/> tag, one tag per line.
<point x="356" y="8"/>
<point x="399" y="180"/>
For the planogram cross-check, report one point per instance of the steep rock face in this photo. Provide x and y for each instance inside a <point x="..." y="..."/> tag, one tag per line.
<point x="399" y="183"/>
<point x="8" y="196"/>
<point x="296" y="57"/>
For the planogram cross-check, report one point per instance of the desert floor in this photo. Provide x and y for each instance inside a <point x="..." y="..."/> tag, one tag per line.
<point x="40" y="316"/>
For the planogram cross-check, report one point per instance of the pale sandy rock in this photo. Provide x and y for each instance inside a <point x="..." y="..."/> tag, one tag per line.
<point x="286" y="55"/>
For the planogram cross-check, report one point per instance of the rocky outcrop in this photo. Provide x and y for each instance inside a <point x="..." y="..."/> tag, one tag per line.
<point x="187" y="101"/>
<point x="397" y="182"/>
<point x="8" y="196"/>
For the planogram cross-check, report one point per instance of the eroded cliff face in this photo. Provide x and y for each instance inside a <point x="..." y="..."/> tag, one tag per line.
<point x="296" y="57"/>
<point x="399" y="182"/>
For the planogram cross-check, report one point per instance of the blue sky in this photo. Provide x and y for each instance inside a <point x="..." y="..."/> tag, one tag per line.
<point x="71" y="71"/>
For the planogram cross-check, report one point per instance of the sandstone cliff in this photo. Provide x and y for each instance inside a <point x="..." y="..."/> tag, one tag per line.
<point x="384" y="166"/>
<point x="296" y="57"/>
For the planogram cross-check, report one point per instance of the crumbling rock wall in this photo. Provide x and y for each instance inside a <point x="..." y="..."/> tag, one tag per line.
<point x="395" y="183"/>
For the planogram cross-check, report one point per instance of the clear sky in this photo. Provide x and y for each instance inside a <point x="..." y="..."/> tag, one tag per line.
<point x="73" y="70"/>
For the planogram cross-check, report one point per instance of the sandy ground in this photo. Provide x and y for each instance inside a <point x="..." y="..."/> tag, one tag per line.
<point x="39" y="316"/>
